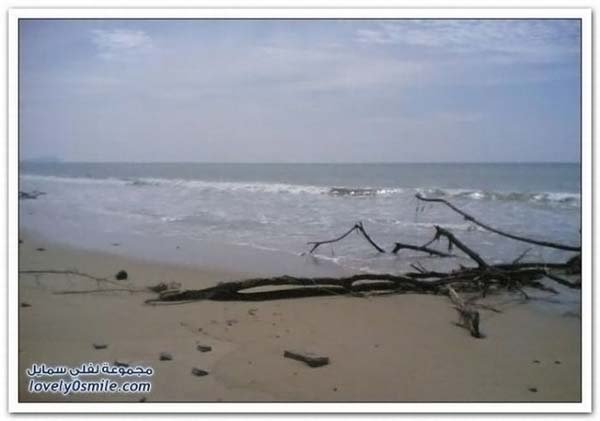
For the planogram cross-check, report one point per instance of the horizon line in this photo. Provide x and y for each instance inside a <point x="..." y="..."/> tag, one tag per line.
<point x="60" y="161"/>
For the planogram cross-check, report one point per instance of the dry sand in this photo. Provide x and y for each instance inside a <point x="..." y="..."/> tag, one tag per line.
<point x="401" y="348"/>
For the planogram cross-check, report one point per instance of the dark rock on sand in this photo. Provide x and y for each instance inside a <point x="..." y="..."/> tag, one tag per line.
<point x="142" y="399"/>
<point x="204" y="348"/>
<point x="99" y="346"/>
<point x="121" y="275"/>
<point x="533" y="389"/>
<point x="33" y="195"/>
<point x="309" y="358"/>
<point x="199" y="372"/>
<point x="165" y="356"/>
<point x="121" y="364"/>
<point x="40" y="249"/>
<point x="24" y="304"/>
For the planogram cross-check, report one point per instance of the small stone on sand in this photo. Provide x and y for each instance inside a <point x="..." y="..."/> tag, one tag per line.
<point x="198" y="372"/>
<point x="24" y="304"/>
<point x="307" y="357"/>
<point x="99" y="346"/>
<point x="121" y="275"/>
<point x="204" y="348"/>
<point x="40" y="249"/>
<point x="165" y="356"/>
<point x="120" y="363"/>
<point x="533" y="389"/>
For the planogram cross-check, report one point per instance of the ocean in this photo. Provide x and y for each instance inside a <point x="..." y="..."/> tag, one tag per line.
<point x="258" y="218"/>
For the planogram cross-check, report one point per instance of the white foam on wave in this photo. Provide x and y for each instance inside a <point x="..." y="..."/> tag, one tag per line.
<point x="562" y="198"/>
<point x="565" y="198"/>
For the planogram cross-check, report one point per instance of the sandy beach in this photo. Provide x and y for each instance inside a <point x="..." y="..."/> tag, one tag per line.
<point x="400" y="348"/>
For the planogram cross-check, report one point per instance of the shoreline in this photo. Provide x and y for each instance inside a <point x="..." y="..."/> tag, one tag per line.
<point x="398" y="348"/>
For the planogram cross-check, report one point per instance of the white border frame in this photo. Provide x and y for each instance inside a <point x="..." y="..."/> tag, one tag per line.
<point x="585" y="406"/>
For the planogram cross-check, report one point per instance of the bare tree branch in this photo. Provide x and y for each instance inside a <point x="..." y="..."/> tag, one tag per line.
<point x="497" y="231"/>
<point x="357" y="227"/>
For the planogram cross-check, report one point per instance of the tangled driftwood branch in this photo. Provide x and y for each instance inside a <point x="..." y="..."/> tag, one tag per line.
<point x="357" y="227"/>
<point x="497" y="231"/>
<point x="482" y="279"/>
<point x="424" y="249"/>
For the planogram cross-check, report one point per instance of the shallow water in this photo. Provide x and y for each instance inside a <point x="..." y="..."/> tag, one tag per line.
<point x="259" y="217"/>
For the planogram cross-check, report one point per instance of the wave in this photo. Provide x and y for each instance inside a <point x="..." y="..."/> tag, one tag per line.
<point x="561" y="198"/>
<point x="534" y="197"/>
<point x="363" y="191"/>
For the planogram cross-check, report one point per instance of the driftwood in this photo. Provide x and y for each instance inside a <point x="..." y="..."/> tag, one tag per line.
<point x="100" y="290"/>
<point x="482" y="279"/>
<point x="308" y="358"/>
<point x="160" y="287"/>
<point x="469" y="318"/>
<point x="424" y="249"/>
<point x="453" y="241"/>
<point x="497" y="231"/>
<point x="466" y="279"/>
<point x="357" y="227"/>
<point x="69" y="272"/>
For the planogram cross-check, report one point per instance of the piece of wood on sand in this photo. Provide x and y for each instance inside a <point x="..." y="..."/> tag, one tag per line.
<point x="309" y="358"/>
<point x="469" y="318"/>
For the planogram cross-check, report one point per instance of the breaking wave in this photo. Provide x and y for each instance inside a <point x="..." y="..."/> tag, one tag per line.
<point x="534" y="197"/>
<point x="561" y="198"/>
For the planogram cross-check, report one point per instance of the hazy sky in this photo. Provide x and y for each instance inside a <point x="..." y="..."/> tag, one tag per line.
<point x="300" y="91"/>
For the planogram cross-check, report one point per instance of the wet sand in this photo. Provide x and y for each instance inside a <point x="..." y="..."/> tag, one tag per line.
<point x="401" y="348"/>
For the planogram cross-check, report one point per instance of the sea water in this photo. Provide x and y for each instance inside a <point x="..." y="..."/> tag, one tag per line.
<point x="259" y="217"/>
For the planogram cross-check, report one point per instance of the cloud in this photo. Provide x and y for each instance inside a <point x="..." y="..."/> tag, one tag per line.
<point x="505" y="39"/>
<point x="120" y="43"/>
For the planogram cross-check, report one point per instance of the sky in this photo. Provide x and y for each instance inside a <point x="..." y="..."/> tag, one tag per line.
<point x="300" y="90"/>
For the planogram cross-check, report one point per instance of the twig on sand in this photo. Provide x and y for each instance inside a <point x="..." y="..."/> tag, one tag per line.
<point x="68" y="272"/>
